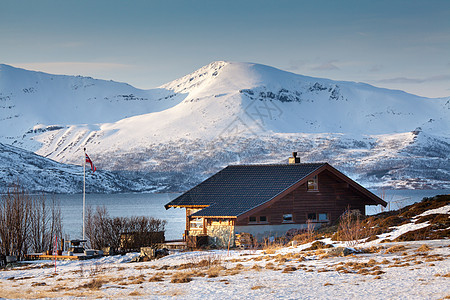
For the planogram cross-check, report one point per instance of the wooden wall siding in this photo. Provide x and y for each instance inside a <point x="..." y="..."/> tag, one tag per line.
<point x="333" y="197"/>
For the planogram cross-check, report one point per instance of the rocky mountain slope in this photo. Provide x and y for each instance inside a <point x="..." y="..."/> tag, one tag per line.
<point x="40" y="174"/>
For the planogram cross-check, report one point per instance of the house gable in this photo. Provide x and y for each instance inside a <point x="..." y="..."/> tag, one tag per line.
<point x="336" y="192"/>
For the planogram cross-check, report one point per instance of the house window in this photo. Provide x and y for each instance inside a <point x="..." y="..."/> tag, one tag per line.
<point x="322" y="217"/>
<point x="318" y="217"/>
<point x="287" y="218"/>
<point x="196" y="223"/>
<point x="313" y="184"/>
<point x="262" y="219"/>
<point x="252" y="219"/>
<point x="312" y="216"/>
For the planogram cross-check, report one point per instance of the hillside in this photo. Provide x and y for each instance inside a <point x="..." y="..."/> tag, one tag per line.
<point x="228" y="113"/>
<point x="38" y="174"/>
<point x="418" y="269"/>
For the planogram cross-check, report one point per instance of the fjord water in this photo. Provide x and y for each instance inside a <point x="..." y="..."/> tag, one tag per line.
<point x="152" y="205"/>
<point x="122" y="205"/>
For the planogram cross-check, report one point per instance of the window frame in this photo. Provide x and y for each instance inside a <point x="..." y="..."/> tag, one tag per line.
<point x="283" y="220"/>
<point x="193" y="224"/>
<point x="316" y="217"/>
<point x="312" y="185"/>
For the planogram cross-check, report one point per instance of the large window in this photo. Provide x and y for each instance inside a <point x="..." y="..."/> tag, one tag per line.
<point x="313" y="184"/>
<point x="196" y="223"/>
<point x="318" y="217"/>
<point x="254" y="219"/>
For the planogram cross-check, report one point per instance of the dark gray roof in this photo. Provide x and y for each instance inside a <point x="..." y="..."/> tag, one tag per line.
<point x="238" y="189"/>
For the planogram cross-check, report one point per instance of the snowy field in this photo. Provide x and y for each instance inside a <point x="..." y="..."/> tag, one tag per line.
<point x="393" y="270"/>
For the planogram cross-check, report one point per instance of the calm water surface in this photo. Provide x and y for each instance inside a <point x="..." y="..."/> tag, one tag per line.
<point x="152" y="205"/>
<point x="122" y="205"/>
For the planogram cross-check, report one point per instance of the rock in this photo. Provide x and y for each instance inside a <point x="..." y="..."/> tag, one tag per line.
<point x="341" y="251"/>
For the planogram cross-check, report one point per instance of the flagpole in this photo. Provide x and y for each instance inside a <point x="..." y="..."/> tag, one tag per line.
<point x="84" y="189"/>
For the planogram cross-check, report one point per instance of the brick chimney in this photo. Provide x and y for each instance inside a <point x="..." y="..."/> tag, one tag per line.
<point x="294" y="159"/>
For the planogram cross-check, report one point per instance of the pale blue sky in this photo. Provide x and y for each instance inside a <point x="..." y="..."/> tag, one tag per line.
<point x="394" y="44"/>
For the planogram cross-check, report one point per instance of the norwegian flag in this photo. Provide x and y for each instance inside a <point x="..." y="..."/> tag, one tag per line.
<point x="88" y="160"/>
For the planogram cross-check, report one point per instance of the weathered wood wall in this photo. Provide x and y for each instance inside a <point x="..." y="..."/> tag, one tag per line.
<point x="334" y="196"/>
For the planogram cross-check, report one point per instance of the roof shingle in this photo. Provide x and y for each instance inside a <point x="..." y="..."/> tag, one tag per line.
<point x="240" y="188"/>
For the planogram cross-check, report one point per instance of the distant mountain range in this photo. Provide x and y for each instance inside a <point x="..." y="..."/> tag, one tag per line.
<point x="174" y="136"/>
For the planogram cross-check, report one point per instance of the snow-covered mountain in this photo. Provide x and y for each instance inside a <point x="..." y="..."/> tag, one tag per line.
<point x="228" y="113"/>
<point x="40" y="174"/>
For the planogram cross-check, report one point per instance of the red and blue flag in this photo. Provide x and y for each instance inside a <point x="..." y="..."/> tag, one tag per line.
<point x="88" y="160"/>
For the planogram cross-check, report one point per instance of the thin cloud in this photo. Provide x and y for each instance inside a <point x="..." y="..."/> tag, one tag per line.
<point x="72" y="67"/>
<point x="325" y="67"/>
<point x="376" y="68"/>
<point x="407" y="80"/>
<point x="295" y="65"/>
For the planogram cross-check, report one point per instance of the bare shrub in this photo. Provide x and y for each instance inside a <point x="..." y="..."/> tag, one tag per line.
<point x="350" y="226"/>
<point x="27" y="223"/>
<point x="46" y="223"/>
<point x="120" y="232"/>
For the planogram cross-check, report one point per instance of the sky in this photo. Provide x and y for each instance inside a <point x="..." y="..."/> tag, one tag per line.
<point x="393" y="44"/>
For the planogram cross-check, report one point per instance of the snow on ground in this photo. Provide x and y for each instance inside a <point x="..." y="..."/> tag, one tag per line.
<point x="392" y="270"/>
<point x="440" y="210"/>
<point x="407" y="274"/>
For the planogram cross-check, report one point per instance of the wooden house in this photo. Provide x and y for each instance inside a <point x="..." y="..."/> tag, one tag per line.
<point x="269" y="200"/>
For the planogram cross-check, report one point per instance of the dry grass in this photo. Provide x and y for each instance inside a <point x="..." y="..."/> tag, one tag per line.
<point x="270" y="266"/>
<point x="173" y="292"/>
<point x="93" y="284"/>
<point x="257" y="287"/>
<point x="156" y="278"/>
<point x="136" y="279"/>
<point x="396" y="248"/>
<point x="215" y="271"/>
<point x="289" y="269"/>
<point x="327" y="284"/>
<point x="256" y="267"/>
<point x="135" y="294"/>
<point x="423" y="248"/>
<point x="180" y="277"/>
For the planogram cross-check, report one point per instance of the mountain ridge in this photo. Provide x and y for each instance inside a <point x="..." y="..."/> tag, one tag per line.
<point x="251" y="113"/>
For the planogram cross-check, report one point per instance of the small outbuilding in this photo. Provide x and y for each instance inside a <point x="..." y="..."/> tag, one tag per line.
<point x="269" y="200"/>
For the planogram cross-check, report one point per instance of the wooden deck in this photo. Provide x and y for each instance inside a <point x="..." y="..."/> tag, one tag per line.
<point x="173" y="245"/>
<point x="80" y="256"/>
